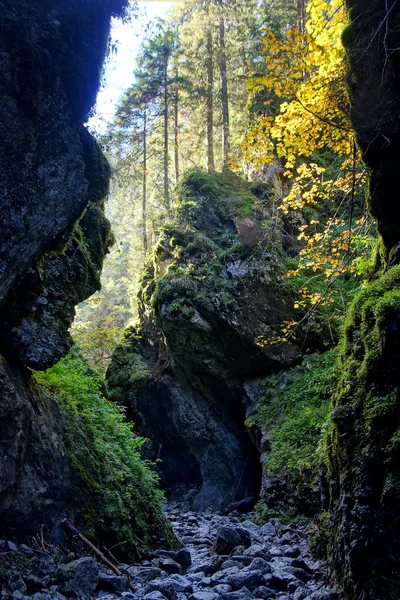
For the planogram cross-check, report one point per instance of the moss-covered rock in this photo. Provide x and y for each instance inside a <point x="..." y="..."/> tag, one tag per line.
<point x="214" y="289"/>
<point x="207" y="281"/>
<point x="129" y="371"/>
<point x="52" y="171"/>
<point x="363" y="444"/>
<point x="36" y="317"/>
<point x="364" y="540"/>
<point x="53" y="235"/>
<point x="292" y="413"/>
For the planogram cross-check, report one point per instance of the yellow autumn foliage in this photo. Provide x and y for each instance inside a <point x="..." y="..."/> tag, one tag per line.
<point x="305" y="76"/>
<point x="307" y="71"/>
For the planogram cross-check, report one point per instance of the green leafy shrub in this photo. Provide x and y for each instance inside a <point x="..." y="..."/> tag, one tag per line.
<point x="132" y="372"/>
<point x="318" y="535"/>
<point x="293" y="410"/>
<point x="122" y="501"/>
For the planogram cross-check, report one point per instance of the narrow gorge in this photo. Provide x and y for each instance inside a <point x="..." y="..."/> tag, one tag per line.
<point x="54" y="238"/>
<point x="238" y="437"/>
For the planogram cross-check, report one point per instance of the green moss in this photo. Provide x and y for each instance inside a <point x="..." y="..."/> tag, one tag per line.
<point x="363" y="440"/>
<point x="178" y="283"/>
<point x="180" y="308"/>
<point x="234" y="195"/>
<point x="293" y="411"/>
<point x="368" y="324"/>
<point x="121" y="501"/>
<point x="130" y="371"/>
<point x="190" y="255"/>
<point x="393" y="447"/>
<point x="348" y="36"/>
<point x="200" y="244"/>
<point x="318" y="535"/>
<point x="203" y="300"/>
<point x="97" y="233"/>
<point x="97" y="169"/>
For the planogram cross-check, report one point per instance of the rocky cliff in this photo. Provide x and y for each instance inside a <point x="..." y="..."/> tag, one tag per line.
<point x="53" y="234"/>
<point x="214" y="292"/>
<point x="364" y="440"/>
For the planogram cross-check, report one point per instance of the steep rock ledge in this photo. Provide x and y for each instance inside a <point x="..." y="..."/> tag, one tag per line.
<point x="211" y="292"/>
<point x="51" y="168"/>
<point x="53" y="234"/>
<point x="35" y="472"/>
<point x="363" y="445"/>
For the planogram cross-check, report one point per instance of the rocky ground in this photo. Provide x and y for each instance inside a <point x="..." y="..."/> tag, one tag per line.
<point x="226" y="557"/>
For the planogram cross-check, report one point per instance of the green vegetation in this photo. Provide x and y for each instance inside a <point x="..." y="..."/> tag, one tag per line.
<point x="369" y="380"/>
<point x="128" y="372"/>
<point x="364" y="431"/>
<point x="293" y="411"/>
<point x="121" y="501"/>
<point x="192" y="249"/>
<point x="318" y="535"/>
<point x="235" y="195"/>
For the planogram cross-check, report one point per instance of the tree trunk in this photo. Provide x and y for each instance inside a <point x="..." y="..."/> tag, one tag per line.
<point x="166" y="151"/>
<point x="144" y="190"/>
<point x="224" y="89"/>
<point x="301" y="15"/>
<point x="210" y="102"/>
<point x="176" y="127"/>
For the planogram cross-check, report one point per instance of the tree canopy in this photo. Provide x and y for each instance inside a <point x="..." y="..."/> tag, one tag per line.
<point x="257" y="88"/>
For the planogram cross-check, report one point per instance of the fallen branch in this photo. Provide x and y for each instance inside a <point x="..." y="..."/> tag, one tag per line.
<point x="110" y="554"/>
<point x="98" y="552"/>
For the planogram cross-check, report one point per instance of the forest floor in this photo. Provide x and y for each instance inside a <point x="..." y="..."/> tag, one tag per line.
<point x="226" y="557"/>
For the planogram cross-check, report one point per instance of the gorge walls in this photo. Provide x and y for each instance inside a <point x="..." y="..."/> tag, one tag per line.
<point x="363" y="445"/>
<point x="53" y="233"/>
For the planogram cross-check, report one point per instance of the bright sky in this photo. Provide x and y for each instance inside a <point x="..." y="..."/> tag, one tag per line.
<point x="119" y="68"/>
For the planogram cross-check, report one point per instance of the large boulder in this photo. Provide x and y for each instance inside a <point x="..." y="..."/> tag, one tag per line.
<point x="35" y="473"/>
<point x="207" y="303"/>
<point x="51" y="171"/>
<point x="229" y="538"/>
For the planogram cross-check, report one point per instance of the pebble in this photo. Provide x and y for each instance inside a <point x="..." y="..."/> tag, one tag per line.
<point x="222" y="558"/>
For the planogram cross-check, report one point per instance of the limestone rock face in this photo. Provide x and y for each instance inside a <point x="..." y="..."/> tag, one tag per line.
<point x="35" y="473"/>
<point x="53" y="233"/>
<point x="51" y="169"/>
<point x="364" y="545"/>
<point x="204" y="305"/>
<point x="374" y="80"/>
